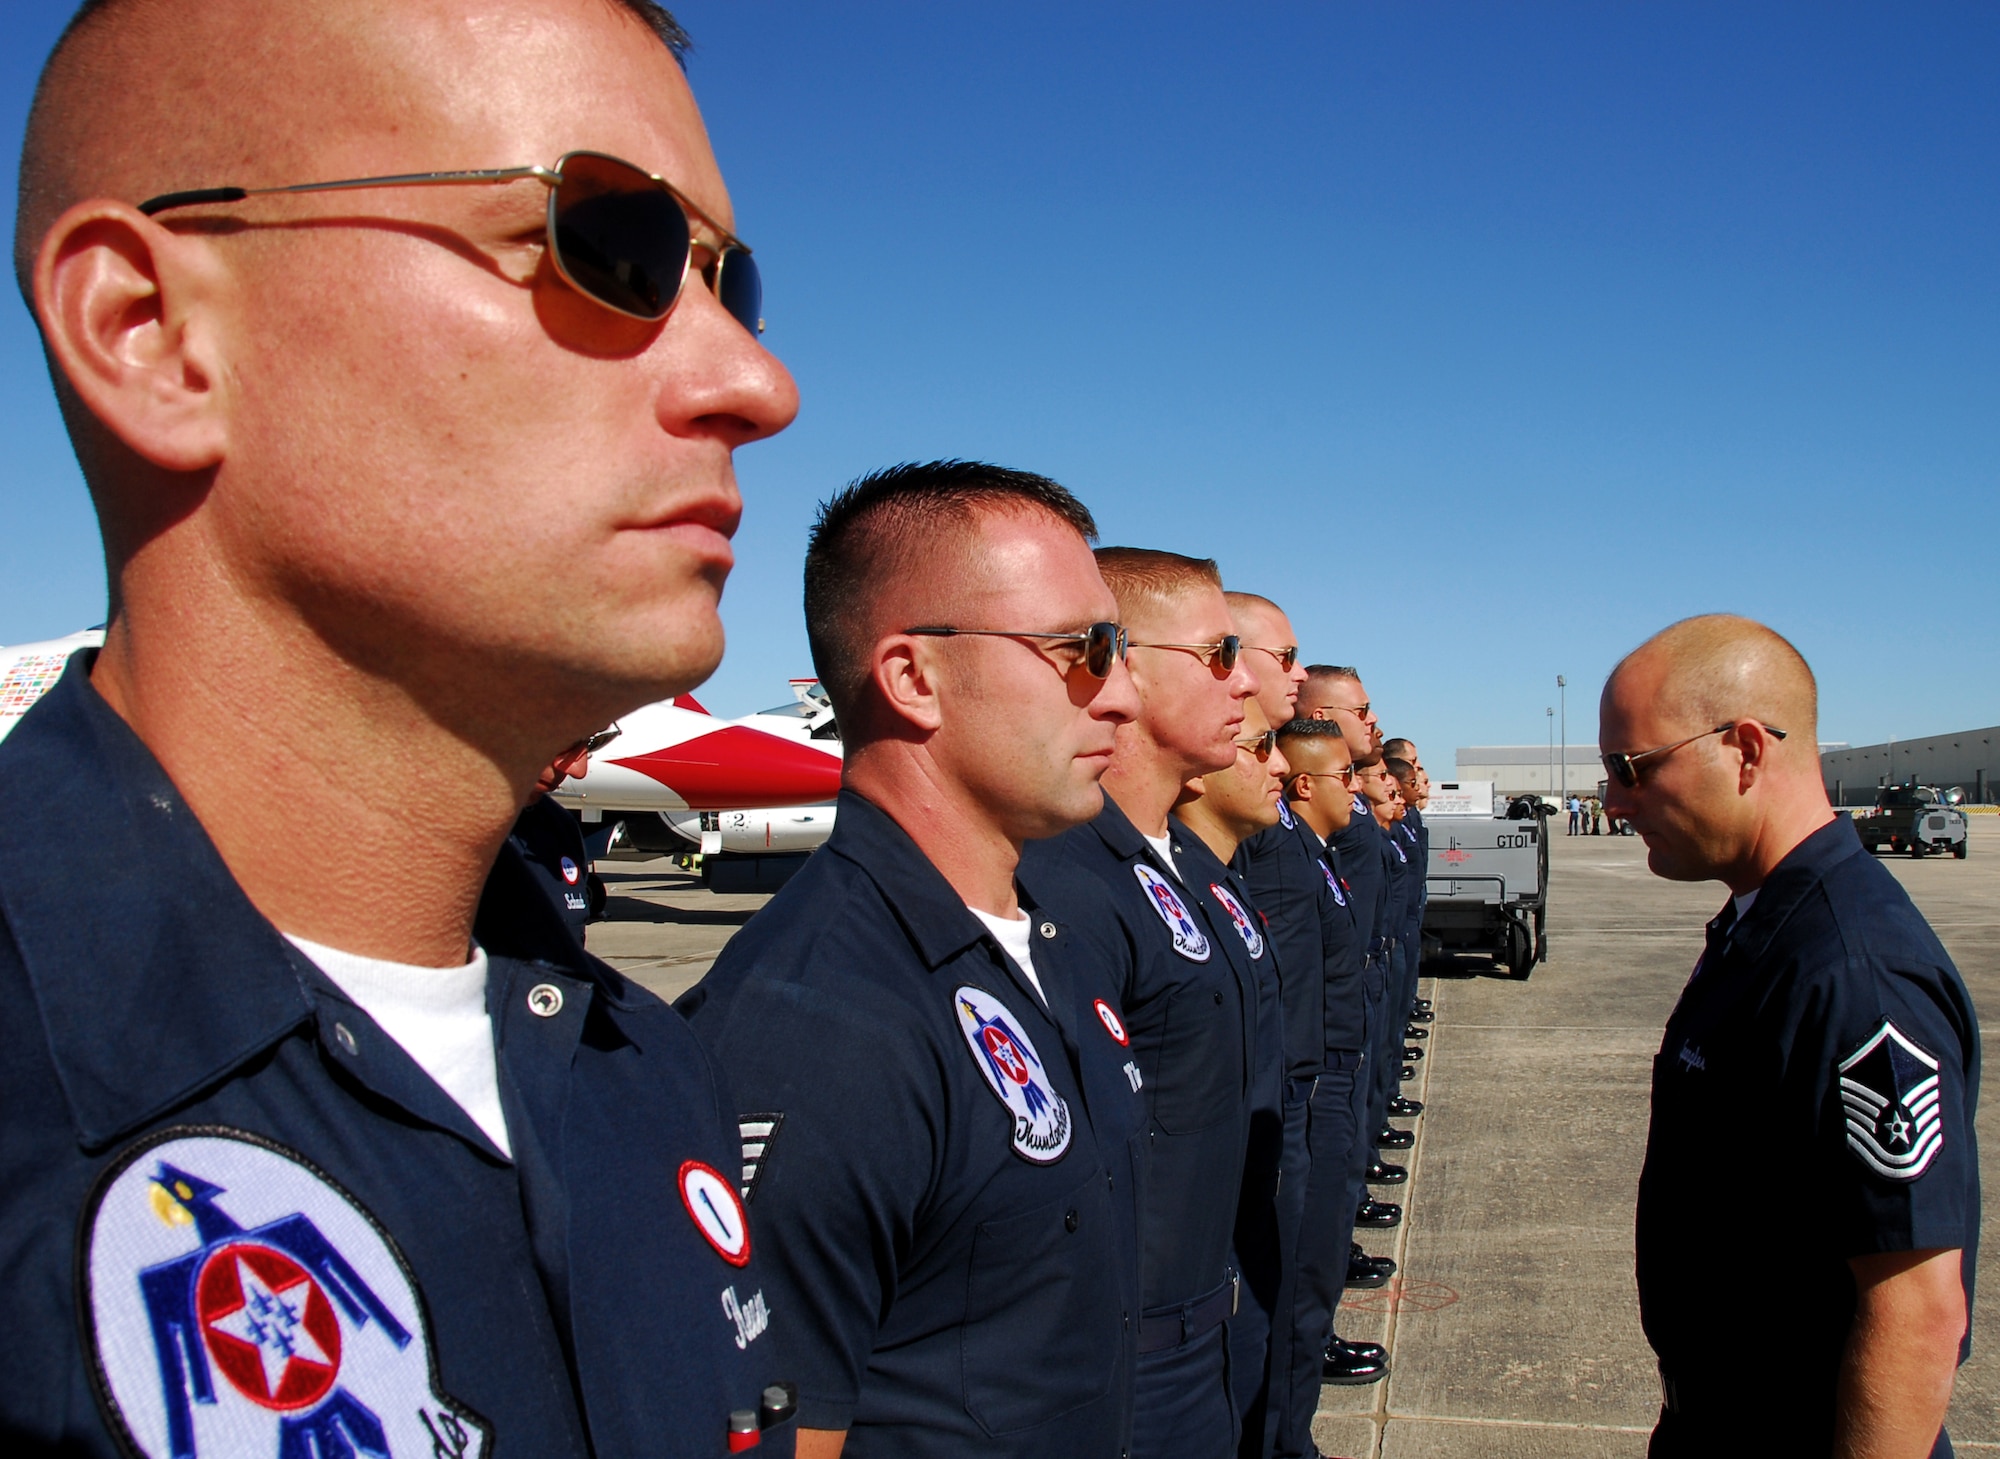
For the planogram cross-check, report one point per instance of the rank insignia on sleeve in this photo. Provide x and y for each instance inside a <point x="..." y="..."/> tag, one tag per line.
<point x="1889" y="1090"/>
<point x="238" y="1304"/>
<point x="1189" y="940"/>
<point x="1245" y="927"/>
<point x="1014" y="1073"/>
<point x="758" y="1132"/>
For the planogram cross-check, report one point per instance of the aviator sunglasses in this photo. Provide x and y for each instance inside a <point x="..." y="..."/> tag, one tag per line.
<point x="619" y="235"/>
<point x="1104" y="644"/>
<point x="1624" y="768"/>
<point x="1222" y="654"/>
<point x="1260" y="745"/>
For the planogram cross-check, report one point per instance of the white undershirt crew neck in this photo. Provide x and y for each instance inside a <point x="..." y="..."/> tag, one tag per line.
<point x="1012" y="935"/>
<point x="437" y="1015"/>
<point x="1164" y="845"/>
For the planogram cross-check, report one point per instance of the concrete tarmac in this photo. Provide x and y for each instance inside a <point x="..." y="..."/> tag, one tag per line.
<point x="1513" y="1327"/>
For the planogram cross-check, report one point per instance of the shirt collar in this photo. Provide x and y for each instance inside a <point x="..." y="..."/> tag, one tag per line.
<point x="935" y="917"/>
<point x="152" y="972"/>
<point x="1791" y="881"/>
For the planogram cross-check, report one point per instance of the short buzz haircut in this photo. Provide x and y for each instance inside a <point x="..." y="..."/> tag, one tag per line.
<point x="1397" y="766"/>
<point x="1147" y="577"/>
<point x="1401" y="748"/>
<point x="44" y="186"/>
<point x="1323" y="673"/>
<point x="1238" y="599"/>
<point x="891" y="523"/>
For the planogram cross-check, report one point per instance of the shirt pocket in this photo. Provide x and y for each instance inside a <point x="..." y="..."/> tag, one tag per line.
<point x="1200" y="1080"/>
<point x="1043" y="1322"/>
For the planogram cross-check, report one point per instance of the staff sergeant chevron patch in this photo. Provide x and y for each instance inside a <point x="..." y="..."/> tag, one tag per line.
<point x="758" y="1133"/>
<point x="1889" y="1089"/>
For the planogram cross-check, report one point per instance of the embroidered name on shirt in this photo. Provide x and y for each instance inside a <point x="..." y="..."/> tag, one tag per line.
<point x="1889" y="1090"/>
<point x="1690" y="1057"/>
<point x="751" y="1318"/>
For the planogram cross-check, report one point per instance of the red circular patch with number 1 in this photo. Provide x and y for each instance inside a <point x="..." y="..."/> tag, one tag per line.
<point x="717" y="1212"/>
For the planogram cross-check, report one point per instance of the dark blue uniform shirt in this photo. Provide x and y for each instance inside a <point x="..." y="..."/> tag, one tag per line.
<point x="1827" y="1040"/>
<point x="943" y="1170"/>
<point x="1285" y="884"/>
<point x="1405" y="878"/>
<point x="1417" y="841"/>
<point x="1189" y="1001"/>
<point x="1351" y="980"/>
<point x="236" y="1218"/>
<point x="1359" y="846"/>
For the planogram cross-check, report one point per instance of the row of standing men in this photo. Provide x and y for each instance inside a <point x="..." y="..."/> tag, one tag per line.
<point x="1063" y="1070"/>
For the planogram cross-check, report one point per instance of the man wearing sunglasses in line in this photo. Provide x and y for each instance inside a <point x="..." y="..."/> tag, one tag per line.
<point x="324" y="1136"/>
<point x="1416" y="796"/>
<point x="943" y="1124"/>
<point x="1188" y="986"/>
<point x="1335" y="693"/>
<point x="1825" y="1015"/>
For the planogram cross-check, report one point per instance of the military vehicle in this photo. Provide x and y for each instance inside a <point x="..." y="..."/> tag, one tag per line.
<point x="1915" y="819"/>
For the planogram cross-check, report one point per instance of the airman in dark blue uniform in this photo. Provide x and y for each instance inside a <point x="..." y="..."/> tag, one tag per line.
<point x="201" y="1122"/>
<point x="1828" y="1018"/>
<point x="941" y="1096"/>
<point x="1825" y="1023"/>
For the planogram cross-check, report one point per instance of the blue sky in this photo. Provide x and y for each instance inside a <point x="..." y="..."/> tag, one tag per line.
<point x="1488" y="339"/>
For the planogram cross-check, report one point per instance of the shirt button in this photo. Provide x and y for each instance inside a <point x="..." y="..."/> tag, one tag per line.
<point x="1048" y="929"/>
<point x="1070" y="1222"/>
<point x="545" y="1000"/>
<point x="345" y="1038"/>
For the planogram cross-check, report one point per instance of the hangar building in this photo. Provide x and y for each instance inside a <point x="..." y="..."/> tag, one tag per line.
<point x="1525" y="769"/>
<point x="1965" y="759"/>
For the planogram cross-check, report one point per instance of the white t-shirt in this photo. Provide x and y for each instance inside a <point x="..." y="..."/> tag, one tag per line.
<point x="1165" y="846"/>
<point x="439" y="1017"/>
<point x="1012" y="935"/>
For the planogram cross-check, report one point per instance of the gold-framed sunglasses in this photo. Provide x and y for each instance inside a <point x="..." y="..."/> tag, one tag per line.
<point x="1259" y="746"/>
<point x="1104" y="644"/>
<point x="1286" y="656"/>
<point x="1220" y="655"/>
<point x="619" y="235"/>
<point x="1624" y="767"/>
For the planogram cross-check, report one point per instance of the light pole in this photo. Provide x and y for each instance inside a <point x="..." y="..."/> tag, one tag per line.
<point x="1562" y="698"/>
<point x="1551" y="713"/>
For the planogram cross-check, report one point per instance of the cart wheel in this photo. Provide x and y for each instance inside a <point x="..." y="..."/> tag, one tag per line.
<point x="1520" y="950"/>
<point x="1541" y="935"/>
<point x="1958" y="851"/>
<point x="1916" y="849"/>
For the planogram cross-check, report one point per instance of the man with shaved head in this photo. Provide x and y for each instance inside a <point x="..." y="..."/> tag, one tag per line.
<point x="1825" y="1017"/>
<point x="404" y="345"/>
<point x="943" y="1123"/>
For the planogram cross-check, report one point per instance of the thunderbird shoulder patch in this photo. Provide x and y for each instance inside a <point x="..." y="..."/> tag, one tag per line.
<point x="1285" y="815"/>
<point x="1014" y="1072"/>
<point x="1889" y="1091"/>
<point x="238" y="1304"/>
<point x="1334" y="885"/>
<point x="1246" y="925"/>
<point x="1189" y="940"/>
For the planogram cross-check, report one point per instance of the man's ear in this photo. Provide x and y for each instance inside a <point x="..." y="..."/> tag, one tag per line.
<point x="127" y="312"/>
<point x="1300" y="789"/>
<point x="907" y="682"/>
<point x="1755" y="744"/>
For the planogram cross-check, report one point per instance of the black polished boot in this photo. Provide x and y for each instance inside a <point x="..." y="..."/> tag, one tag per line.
<point x="1391" y="1138"/>
<point x="1365" y="1271"/>
<point x="1405" y="1109"/>
<point x="1380" y="1173"/>
<point x="1378" y="1215"/>
<point x="1354" y="1363"/>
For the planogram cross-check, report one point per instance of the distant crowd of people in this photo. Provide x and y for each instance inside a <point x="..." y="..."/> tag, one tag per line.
<point x="1588" y="817"/>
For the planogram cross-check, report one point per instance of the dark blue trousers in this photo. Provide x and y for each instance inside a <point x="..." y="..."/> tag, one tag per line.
<point x="1181" y="1403"/>
<point x="1336" y="1152"/>
<point x="1386" y="1023"/>
<point x="1267" y="1256"/>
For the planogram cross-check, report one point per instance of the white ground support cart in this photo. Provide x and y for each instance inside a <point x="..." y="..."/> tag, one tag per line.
<point x="1488" y="876"/>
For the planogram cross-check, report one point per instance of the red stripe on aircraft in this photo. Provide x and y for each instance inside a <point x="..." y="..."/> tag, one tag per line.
<point x="741" y="769"/>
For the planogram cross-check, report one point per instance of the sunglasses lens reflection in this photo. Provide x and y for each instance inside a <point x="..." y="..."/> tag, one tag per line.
<point x="740" y="287"/>
<point x="1228" y="653"/>
<point x="1103" y="645"/>
<point x="621" y="237"/>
